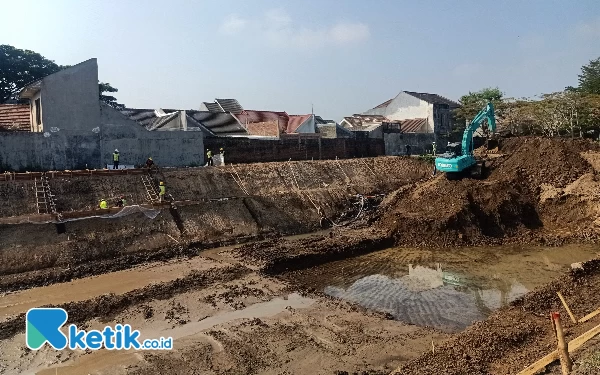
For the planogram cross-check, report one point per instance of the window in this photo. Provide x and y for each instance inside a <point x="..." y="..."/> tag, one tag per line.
<point x="38" y="112"/>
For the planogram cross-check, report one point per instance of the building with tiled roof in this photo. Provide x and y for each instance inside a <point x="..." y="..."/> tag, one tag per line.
<point x="429" y="112"/>
<point x="15" y="117"/>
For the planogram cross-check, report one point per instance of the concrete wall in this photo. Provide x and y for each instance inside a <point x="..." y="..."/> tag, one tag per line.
<point x="136" y="144"/>
<point x="420" y="143"/>
<point x="307" y="126"/>
<point x="80" y="132"/>
<point x="245" y="150"/>
<point x="70" y="98"/>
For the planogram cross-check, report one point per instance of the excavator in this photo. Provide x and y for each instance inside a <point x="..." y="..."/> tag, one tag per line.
<point x="458" y="161"/>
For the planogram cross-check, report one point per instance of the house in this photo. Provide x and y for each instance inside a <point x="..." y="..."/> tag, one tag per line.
<point x="430" y="112"/>
<point x="15" y="117"/>
<point x="73" y="129"/>
<point x="364" y="126"/>
<point x="222" y="105"/>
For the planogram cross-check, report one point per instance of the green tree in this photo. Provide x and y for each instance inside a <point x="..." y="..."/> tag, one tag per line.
<point x="109" y="99"/>
<point x="473" y="102"/>
<point x="20" y="67"/>
<point x="589" y="79"/>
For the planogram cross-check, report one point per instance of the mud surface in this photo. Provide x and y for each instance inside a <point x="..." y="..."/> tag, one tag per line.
<point x="449" y="289"/>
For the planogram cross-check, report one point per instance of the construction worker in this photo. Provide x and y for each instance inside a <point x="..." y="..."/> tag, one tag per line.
<point x="407" y="150"/>
<point x="116" y="159"/>
<point x="149" y="163"/>
<point x="121" y="202"/>
<point x="162" y="188"/>
<point x="222" y="152"/>
<point x="434" y="148"/>
<point x="209" y="159"/>
<point x="103" y="204"/>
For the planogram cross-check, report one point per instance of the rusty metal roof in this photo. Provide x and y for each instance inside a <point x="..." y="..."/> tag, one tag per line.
<point x="15" y="117"/>
<point x="415" y="125"/>
<point x="357" y="120"/>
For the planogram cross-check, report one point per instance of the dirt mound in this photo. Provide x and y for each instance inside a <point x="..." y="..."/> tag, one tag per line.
<point x="543" y="160"/>
<point x="506" y="204"/>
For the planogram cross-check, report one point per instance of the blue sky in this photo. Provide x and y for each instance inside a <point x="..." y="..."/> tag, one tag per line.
<point x="343" y="57"/>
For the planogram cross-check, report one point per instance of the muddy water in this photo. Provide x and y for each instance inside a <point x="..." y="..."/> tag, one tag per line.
<point x="446" y="289"/>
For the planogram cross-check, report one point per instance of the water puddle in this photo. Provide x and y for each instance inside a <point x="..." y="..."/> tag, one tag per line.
<point x="446" y="289"/>
<point x="105" y="361"/>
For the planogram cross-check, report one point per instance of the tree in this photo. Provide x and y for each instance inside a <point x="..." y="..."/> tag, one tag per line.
<point x="474" y="102"/>
<point x="20" y="67"/>
<point x="109" y="99"/>
<point x="589" y="79"/>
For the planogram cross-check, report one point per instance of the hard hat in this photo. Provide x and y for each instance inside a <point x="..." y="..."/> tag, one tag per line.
<point x="150" y="158"/>
<point x="162" y="183"/>
<point x="116" y="150"/>
<point x="221" y="148"/>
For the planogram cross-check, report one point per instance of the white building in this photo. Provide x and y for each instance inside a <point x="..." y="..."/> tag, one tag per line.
<point x="432" y="111"/>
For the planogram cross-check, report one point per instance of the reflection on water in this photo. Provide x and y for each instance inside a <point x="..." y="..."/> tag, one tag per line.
<point x="428" y="297"/>
<point x="448" y="289"/>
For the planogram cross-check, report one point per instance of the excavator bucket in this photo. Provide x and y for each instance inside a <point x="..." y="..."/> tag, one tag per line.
<point x="492" y="143"/>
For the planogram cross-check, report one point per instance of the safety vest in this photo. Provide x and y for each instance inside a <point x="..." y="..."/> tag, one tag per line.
<point x="115" y="156"/>
<point x="209" y="154"/>
<point x="124" y="202"/>
<point x="103" y="204"/>
<point x="162" y="189"/>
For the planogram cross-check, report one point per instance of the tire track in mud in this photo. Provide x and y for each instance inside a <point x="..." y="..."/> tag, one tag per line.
<point x="109" y="305"/>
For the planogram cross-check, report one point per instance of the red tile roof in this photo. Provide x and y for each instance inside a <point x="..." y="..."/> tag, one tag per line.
<point x="295" y="121"/>
<point x="14" y="117"/>
<point x="415" y="125"/>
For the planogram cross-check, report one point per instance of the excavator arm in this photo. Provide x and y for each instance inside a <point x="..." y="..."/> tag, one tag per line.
<point x="467" y="141"/>
<point x="456" y="165"/>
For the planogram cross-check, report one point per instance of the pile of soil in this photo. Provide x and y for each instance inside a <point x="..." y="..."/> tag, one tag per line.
<point x="518" y="335"/>
<point x="504" y="206"/>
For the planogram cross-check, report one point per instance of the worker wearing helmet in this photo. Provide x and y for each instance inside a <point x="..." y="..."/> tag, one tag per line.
<point x="162" y="191"/>
<point x="116" y="159"/>
<point x="149" y="163"/>
<point x="103" y="204"/>
<point x="434" y="148"/>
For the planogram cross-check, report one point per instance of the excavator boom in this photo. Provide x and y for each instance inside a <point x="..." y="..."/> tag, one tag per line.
<point x="456" y="165"/>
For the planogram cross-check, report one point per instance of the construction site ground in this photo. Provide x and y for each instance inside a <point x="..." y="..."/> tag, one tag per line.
<point x="366" y="266"/>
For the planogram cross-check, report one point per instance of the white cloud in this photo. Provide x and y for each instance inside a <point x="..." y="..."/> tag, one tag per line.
<point x="590" y="29"/>
<point x="278" y="28"/>
<point x="233" y="24"/>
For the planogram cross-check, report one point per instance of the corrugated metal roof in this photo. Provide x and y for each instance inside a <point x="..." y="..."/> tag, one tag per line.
<point x="212" y="107"/>
<point x="415" y="125"/>
<point x="230" y="105"/>
<point x="14" y="117"/>
<point x="219" y="123"/>
<point x="433" y="98"/>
